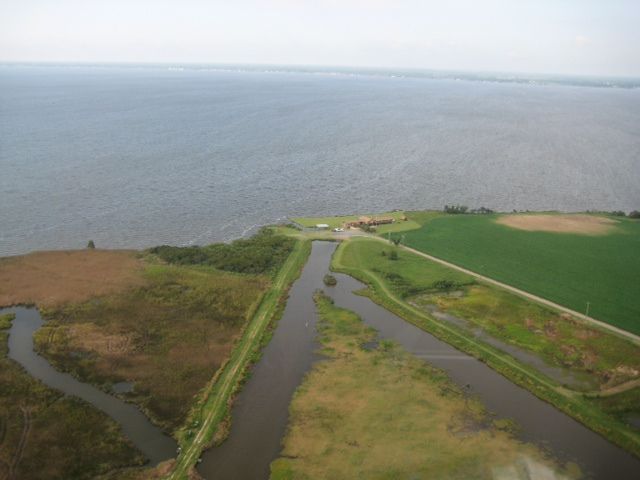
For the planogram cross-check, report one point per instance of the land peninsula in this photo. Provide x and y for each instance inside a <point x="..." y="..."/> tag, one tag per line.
<point x="549" y="300"/>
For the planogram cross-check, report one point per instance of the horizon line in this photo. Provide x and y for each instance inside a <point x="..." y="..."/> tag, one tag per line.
<point x="323" y="67"/>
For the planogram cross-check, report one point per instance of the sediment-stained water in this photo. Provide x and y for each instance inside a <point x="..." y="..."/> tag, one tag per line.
<point x="149" y="439"/>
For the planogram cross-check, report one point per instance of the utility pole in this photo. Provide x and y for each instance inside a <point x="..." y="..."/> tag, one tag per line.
<point x="587" y="312"/>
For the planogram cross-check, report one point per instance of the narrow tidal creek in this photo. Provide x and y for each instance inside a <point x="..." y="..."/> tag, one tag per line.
<point x="149" y="439"/>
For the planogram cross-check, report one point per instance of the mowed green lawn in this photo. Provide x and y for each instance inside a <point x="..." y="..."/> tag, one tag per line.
<point x="569" y="269"/>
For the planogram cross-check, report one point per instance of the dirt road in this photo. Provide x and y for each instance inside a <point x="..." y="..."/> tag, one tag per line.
<point x="597" y="323"/>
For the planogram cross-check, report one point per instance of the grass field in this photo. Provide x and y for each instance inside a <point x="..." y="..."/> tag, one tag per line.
<point x="605" y="359"/>
<point x="608" y="361"/>
<point x="381" y="413"/>
<point x="601" y="359"/>
<point x="566" y="268"/>
<point x="45" y="435"/>
<point x="54" y="278"/>
<point x="167" y="337"/>
<point x="164" y="320"/>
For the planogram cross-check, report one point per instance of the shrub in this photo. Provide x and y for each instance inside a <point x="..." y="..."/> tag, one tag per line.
<point x="5" y="320"/>
<point x="634" y="214"/>
<point x="393" y="255"/>
<point x="292" y="225"/>
<point x="265" y="252"/>
<point x="330" y="280"/>
<point x="91" y="245"/>
<point x="444" y="284"/>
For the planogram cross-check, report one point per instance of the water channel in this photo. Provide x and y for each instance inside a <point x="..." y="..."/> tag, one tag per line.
<point x="149" y="439"/>
<point x="260" y="413"/>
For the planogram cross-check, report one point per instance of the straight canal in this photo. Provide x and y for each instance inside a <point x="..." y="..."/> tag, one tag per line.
<point x="260" y="413"/>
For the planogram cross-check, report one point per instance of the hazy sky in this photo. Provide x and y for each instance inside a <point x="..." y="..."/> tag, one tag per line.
<point x="599" y="37"/>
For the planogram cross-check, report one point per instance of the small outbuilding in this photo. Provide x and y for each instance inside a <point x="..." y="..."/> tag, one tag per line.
<point x="322" y="226"/>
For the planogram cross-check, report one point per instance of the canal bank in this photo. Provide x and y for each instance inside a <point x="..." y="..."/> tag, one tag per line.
<point x="260" y="413"/>
<point x="539" y="422"/>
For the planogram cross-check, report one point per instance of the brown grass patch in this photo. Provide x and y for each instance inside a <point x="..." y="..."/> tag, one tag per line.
<point x="582" y="224"/>
<point x="168" y="336"/>
<point x="90" y="338"/>
<point x="54" y="278"/>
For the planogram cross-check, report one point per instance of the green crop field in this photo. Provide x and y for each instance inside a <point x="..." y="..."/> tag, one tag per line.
<point x="569" y="269"/>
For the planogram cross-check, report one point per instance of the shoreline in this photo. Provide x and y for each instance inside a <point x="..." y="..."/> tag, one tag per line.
<point x="216" y="399"/>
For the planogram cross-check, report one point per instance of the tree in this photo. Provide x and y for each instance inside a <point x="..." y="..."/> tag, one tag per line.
<point x="455" y="209"/>
<point x="91" y="245"/>
<point x="634" y="214"/>
<point x="393" y="255"/>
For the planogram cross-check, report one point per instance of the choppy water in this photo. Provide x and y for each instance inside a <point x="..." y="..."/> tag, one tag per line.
<point x="133" y="157"/>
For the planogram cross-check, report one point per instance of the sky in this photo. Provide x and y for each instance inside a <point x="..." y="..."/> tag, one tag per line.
<point x="582" y="37"/>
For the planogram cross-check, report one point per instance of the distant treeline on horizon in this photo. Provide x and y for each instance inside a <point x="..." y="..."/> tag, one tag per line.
<point x="498" y="77"/>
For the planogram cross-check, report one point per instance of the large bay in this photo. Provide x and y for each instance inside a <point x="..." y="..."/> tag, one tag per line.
<point x="133" y="157"/>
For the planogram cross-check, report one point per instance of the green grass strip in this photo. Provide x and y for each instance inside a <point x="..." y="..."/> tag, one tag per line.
<point x="216" y="398"/>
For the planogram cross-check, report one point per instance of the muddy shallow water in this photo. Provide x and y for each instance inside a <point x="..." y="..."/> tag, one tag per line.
<point x="149" y="439"/>
<point x="260" y="413"/>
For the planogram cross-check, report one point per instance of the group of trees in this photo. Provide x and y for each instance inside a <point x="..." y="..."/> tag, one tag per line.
<point x="620" y="213"/>
<point x="457" y="209"/>
<point x="481" y="211"/>
<point x="265" y="252"/>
